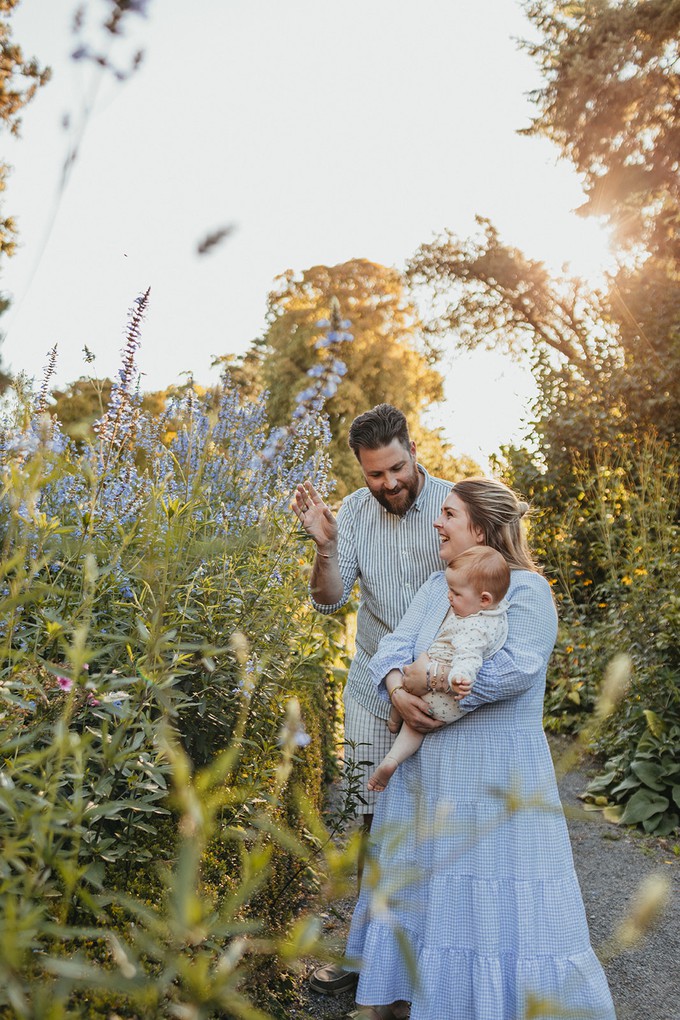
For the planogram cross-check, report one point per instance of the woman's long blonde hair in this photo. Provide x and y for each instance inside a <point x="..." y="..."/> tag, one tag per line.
<point x="497" y="512"/>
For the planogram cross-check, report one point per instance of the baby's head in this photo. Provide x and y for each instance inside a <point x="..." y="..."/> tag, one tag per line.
<point x="477" y="579"/>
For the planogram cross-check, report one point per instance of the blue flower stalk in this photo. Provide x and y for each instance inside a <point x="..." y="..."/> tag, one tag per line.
<point x="325" y="377"/>
<point x="40" y="406"/>
<point x="114" y="427"/>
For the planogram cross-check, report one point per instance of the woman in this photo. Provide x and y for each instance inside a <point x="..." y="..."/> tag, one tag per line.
<point x="472" y="909"/>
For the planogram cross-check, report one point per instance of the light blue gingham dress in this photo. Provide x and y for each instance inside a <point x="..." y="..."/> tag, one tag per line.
<point x="470" y="907"/>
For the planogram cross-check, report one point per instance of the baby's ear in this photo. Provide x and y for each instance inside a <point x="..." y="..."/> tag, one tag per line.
<point x="486" y="598"/>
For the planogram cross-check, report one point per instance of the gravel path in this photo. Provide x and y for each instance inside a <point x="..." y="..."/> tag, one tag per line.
<point x="611" y="863"/>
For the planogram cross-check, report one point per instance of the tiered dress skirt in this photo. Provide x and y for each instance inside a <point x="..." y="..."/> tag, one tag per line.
<point x="470" y="907"/>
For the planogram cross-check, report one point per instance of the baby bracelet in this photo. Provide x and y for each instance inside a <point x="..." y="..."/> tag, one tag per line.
<point x="395" y="689"/>
<point x="431" y="677"/>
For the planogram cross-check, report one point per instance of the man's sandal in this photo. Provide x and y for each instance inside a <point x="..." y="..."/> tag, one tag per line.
<point x="332" y="979"/>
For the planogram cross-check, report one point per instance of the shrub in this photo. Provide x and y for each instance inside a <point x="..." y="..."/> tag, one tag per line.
<point x="624" y="600"/>
<point x="158" y="675"/>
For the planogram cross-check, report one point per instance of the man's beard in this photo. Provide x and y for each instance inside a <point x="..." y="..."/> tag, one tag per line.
<point x="402" y="501"/>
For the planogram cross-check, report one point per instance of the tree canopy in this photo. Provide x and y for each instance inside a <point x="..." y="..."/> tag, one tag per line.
<point x="488" y="293"/>
<point x="609" y="99"/>
<point x="20" y="79"/>
<point x="389" y="360"/>
<point x="605" y="358"/>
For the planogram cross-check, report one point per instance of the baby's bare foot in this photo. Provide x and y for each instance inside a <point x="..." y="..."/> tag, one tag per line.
<point x="382" y="775"/>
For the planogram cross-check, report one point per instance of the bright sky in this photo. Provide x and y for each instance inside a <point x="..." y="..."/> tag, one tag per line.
<point x="323" y="130"/>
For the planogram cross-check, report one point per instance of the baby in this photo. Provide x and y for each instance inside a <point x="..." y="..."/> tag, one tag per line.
<point x="475" y="627"/>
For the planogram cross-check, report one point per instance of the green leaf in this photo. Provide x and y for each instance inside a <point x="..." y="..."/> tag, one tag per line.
<point x="629" y="783"/>
<point x="655" y="723"/>
<point x="649" y="773"/>
<point x="654" y="822"/>
<point x="664" y="824"/>
<point x="601" y="783"/>
<point x="143" y="630"/>
<point x="641" y="806"/>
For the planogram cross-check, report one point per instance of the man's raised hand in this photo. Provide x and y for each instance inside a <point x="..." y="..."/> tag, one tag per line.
<point x="315" y="517"/>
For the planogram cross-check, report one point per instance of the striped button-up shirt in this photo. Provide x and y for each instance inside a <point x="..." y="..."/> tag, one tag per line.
<point x="390" y="557"/>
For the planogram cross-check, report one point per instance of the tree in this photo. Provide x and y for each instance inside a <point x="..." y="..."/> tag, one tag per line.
<point x="20" y="79"/>
<point x="646" y="303"/>
<point x="609" y="100"/>
<point x="490" y="294"/>
<point x="605" y="359"/>
<point x="389" y="360"/>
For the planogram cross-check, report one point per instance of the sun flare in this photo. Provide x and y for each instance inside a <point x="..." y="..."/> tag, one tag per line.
<point x="579" y="247"/>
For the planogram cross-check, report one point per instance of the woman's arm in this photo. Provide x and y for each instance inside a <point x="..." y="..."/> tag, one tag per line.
<point x="521" y="662"/>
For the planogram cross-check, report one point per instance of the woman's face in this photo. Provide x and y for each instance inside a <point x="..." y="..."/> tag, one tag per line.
<point x="455" y="530"/>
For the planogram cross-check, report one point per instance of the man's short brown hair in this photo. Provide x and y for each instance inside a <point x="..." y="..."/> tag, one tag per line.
<point x="378" y="427"/>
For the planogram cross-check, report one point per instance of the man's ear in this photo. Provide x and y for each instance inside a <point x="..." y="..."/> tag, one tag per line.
<point x="486" y="598"/>
<point x="413" y="449"/>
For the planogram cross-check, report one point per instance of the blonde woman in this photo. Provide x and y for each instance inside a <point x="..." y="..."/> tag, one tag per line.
<point x="469" y="843"/>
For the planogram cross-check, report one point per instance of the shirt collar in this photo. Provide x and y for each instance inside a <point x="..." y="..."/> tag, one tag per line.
<point x="421" y="495"/>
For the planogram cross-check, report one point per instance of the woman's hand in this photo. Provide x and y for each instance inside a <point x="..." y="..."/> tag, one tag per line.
<point x="415" y="675"/>
<point x="415" y="711"/>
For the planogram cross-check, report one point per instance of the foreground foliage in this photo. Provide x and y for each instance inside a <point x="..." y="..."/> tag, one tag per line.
<point x="164" y="701"/>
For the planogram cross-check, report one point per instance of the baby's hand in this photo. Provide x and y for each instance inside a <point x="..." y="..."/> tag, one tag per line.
<point x="461" y="687"/>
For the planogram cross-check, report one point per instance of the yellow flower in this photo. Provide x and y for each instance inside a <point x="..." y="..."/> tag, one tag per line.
<point x="640" y="572"/>
<point x="569" y="648"/>
<point x="587" y="582"/>
<point x="626" y="580"/>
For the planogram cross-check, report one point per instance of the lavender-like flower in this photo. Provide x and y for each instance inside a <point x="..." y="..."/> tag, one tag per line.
<point x="41" y="401"/>
<point x="326" y="376"/>
<point x="113" y="428"/>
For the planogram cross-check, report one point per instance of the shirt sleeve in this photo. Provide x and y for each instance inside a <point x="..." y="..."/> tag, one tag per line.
<point x="469" y="655"/>
<point x="397" y="649"/>
<point x="521" y="662"/>
<point x="348" y="561"/>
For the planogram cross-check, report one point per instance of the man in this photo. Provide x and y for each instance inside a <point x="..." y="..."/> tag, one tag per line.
<point x="384" y="539"/>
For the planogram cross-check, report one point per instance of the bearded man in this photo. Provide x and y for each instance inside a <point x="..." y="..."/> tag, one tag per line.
<point x="383" y="539"/>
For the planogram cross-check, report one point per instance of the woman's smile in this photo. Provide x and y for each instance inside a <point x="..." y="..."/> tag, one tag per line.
<point x="455" y="530"/>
